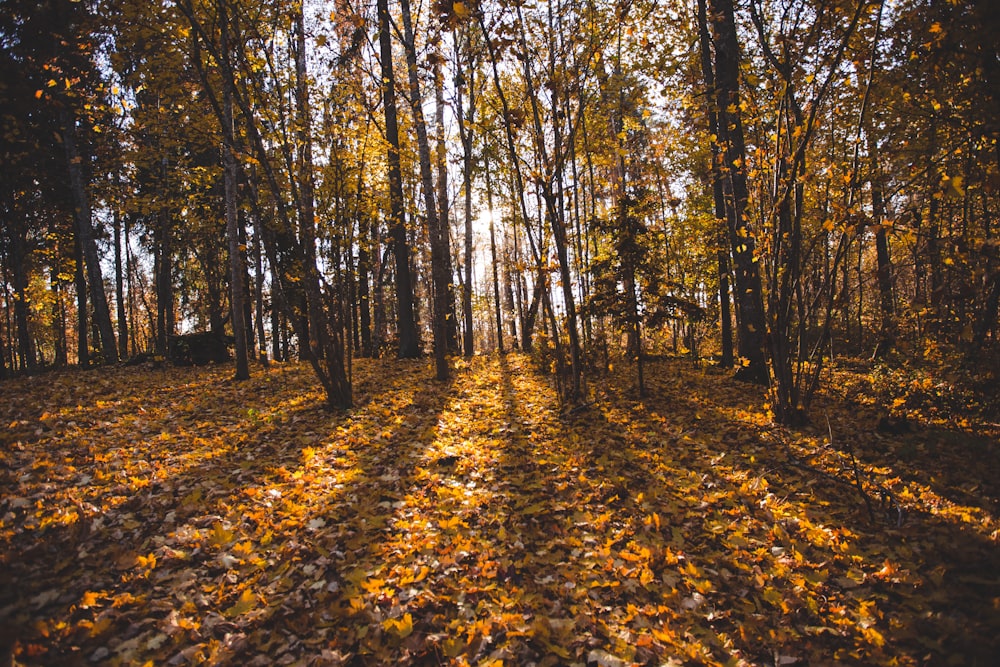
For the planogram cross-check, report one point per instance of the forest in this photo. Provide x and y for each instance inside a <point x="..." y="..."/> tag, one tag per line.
<point x="525" y="332"/>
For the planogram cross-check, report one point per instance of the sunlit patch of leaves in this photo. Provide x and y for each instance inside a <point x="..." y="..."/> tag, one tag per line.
<point x="175" y="516"/>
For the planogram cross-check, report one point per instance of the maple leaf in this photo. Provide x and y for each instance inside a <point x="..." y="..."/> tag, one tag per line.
<point x="401" y="627"/>
<point x="247" y="601"/>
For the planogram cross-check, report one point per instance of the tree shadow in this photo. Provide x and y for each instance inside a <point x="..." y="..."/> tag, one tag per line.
<point x="914" y="584"/>
<point x="471" y="521"/>
<point x="155" y="537"/>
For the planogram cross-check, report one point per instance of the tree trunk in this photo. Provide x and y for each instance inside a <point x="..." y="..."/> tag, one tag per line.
<point x="120" y="286"/>
<point x="258" y="266"/>
<point x="80" y="282"/>
<point x="163" y="279"/>
<point x="409" y="343"/>
<point x="451" y="321"/>
<point x="364" y="290"/>
<point x="493" y="255"/>
<point x="440" y="274"/>
<point x="19" y="273"/>
<point x="85" y="225"/>
<point x="887" y="309"/>
<point x="325" y="336"/>
<point x="58" y="317"/>
<point x="718" y="194"/>
<point x="749" y="294"/>
<point x="465" y="127"/>
<point x="236" y="265"/>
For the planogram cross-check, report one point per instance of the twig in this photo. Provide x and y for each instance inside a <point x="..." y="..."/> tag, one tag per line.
<point x="857" y="472"/>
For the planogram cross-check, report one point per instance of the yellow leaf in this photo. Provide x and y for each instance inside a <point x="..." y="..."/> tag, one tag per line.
<point x="460" y="10"/>
<point x="453" y="646"/>
<point x="402" y="627"/>
<point x="873" y="636"/>
<point x="247" y="602"/>
<point x="221" y="535"/>
<point x="773" y="596"/>
<point x="954" y="187"/>
<point x="373" y="585"/>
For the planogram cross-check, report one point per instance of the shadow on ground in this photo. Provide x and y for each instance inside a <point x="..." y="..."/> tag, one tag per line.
<point x="181" y="518"/>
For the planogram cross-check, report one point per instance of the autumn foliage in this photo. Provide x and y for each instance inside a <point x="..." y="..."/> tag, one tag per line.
<point x="173" y="516"/>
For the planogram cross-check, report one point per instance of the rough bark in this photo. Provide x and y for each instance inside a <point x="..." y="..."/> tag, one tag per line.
<point x="749" y="294"/>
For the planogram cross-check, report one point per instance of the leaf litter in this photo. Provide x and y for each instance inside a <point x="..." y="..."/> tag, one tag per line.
<point x="175" y="517"/>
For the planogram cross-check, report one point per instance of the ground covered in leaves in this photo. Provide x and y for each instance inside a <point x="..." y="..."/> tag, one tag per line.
<point x="174" y="517"/>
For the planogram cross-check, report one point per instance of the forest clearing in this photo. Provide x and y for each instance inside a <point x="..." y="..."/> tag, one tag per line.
<point x="175" y="517"/>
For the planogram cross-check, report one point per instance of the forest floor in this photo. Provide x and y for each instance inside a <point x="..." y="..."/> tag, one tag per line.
<point x="175" y="517"/>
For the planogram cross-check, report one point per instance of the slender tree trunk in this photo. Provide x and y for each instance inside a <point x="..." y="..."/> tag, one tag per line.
<point x="326" y="344"/>
<point x="365" y="242"/>
<point x="58" y="317"/>
<point x="258" y="266"/>
<point x="493" y="255"/>
<point x="130" y="302"/>
<point x="277" y="326"/>
<point x="19" y="273"/>
<point x="120" y="286"/>
<point x="248" y="310"/>
<point x="236" y="264"/>
<point x="80" y="283"/>
<point x="465" y="129"/>
<point x="444" y="207"/>
<point x="81" y="205"/>
<point x="887" y="309"/>
<point x="409" y="344"/>
<point x="440" y="274"/>
<point x="163" y="270"/>
<point x="718" y="194"/>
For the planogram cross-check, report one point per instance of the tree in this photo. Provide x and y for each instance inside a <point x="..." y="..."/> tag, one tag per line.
<point x="742" y="236"/>
<point x="440" y="273"/>
<point x="409" y="344"/>
<point x="236" y="262"/>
